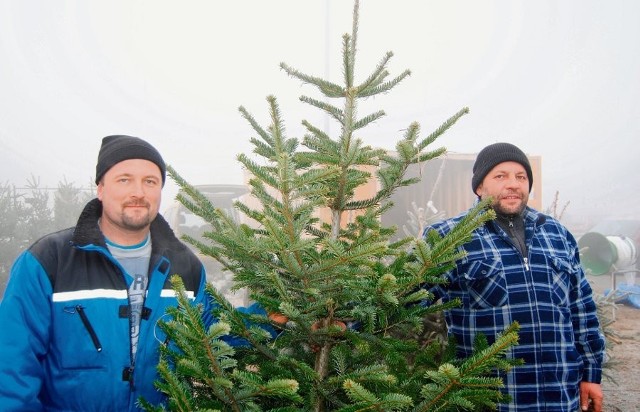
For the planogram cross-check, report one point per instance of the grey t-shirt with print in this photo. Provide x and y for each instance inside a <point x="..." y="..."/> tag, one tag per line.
<point x="135" y="260"/>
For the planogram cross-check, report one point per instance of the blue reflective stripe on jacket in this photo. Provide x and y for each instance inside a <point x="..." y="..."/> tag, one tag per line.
<point x="546" y="292"/>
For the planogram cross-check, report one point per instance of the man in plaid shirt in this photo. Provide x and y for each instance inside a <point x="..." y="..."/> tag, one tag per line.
<point x="524" y="266"/>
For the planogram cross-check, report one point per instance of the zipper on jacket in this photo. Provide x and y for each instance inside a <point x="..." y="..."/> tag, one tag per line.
<point x="521" y="246"/>
<point x="87" y="325"/>
<point x="519" y="243"/>
<point x="127" y="376"/>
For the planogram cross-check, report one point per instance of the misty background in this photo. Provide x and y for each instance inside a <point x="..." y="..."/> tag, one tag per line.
<point x="560" y="79"/>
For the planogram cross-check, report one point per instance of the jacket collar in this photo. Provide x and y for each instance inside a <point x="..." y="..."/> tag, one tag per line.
<point x="88" y="232"/>
<point x="531" y="217"/>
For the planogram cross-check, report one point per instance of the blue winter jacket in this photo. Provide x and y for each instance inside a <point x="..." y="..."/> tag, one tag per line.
<point x="64" y="334"/>
<point x="546" y="292"/>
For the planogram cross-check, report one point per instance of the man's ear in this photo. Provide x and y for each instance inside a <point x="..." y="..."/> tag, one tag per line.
<point x="478" y="189"/>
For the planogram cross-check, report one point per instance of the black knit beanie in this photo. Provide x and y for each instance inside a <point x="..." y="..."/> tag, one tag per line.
<point x="117" y="148"/>
<point x="495" y="154"/>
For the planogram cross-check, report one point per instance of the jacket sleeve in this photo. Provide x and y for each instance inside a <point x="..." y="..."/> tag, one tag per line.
<point x="25" y="316"/>
<point x="589" y="339"/>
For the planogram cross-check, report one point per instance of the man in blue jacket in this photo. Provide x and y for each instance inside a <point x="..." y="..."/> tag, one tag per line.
<point x="80" y="312"/>
<point x="524" y="267"/>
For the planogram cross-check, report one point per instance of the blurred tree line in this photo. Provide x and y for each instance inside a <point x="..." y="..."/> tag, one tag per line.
<point x="30" y="212"/>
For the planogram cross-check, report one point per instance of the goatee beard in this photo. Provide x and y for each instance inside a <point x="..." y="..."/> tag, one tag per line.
<point x="508" y="212"/>
<point x="135" y="224"/>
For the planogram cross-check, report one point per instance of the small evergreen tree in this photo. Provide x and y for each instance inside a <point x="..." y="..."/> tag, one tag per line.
<point x="26" y="215"/>
<point x="345" y="300"/>
<point x="68" y="202"/>
<point x="13" y="214"/>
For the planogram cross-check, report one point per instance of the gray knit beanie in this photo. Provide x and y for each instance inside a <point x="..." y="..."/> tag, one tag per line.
<point x="495" y="154"/>
<point x="117" y="148"/>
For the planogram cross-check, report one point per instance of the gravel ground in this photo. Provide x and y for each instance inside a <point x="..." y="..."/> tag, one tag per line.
<point x="622" y="389"/>
<point x="622" y="392"/>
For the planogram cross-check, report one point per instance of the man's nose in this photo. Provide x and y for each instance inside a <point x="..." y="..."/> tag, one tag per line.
<point x="138" y="189"/>
<point x="513" y="181"/>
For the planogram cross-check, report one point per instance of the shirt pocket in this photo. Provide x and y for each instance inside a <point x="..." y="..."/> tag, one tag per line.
<point x="485" y="283"/>
<point x="562" y="274"/>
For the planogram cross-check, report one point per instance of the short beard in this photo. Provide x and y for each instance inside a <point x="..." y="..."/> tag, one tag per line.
<point x="501" y="211"/>
<point x="136" y="224"/>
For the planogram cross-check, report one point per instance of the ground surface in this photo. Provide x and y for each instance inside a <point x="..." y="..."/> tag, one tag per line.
<point x="624" y="393"/>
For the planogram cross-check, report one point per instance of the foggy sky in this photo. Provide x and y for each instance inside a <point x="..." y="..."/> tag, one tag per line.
<point x="560" y="79"/>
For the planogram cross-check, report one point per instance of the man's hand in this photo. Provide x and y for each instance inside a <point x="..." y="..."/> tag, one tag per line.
<point x="590" y="392"/>
<point x="278" y="318"/>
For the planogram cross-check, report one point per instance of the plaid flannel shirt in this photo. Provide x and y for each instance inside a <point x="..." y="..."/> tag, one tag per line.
<point x="546" y="292"/>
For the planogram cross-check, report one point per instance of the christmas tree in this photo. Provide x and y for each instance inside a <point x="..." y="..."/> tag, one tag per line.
<point x="346" y="302"/>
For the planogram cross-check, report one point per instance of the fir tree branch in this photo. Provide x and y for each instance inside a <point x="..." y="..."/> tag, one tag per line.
<point x="326" y="107"/>
<point x="443" y="128"/>
<point x="384" y="87"/>
<point x="327" y="88"/>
